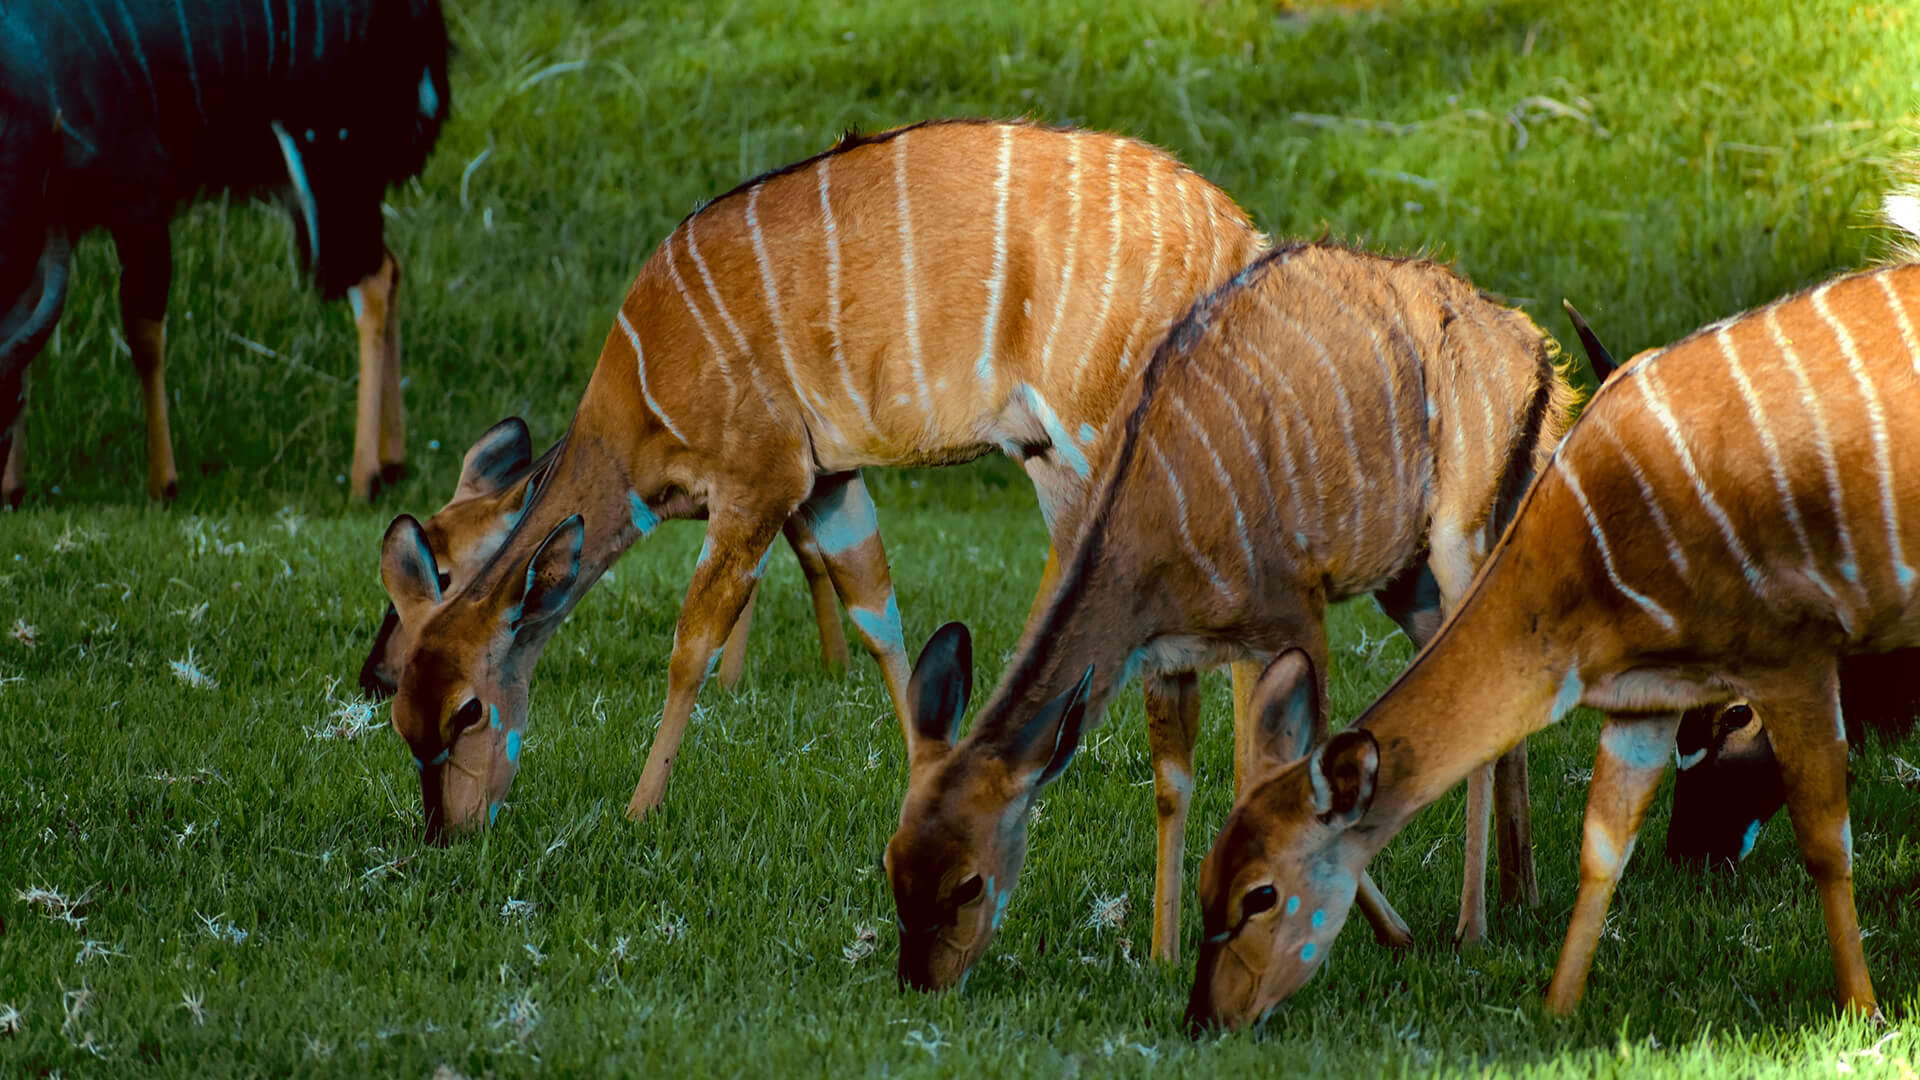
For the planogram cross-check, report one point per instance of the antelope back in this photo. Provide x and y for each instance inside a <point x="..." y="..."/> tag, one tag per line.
<point x="929" y="293"/>
<point x="1765" y="465"/>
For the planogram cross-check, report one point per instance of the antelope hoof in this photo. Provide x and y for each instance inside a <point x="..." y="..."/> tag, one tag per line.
<point x="393" y="473"/>
<point x="167" y="493"/>
<point x="646" y="799"/>
<point x="14" y="497"/>
<point x="1395" y="937"/>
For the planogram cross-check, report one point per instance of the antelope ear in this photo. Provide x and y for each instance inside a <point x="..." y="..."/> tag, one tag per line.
<point x="941" y="685"/>
<point x="408" y="570"/>
<point x="552" y="573"/>
<point x="1041" y="748"/>
<point x="1286" y="709"/>
<point x="1342" y="774"/>
<point x="499" y="458"/>
<point x="1597" y="355"/>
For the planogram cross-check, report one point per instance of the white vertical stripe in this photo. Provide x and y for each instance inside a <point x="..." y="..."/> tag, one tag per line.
<point x="770" y="292"/>
<point x="1148" y="283"/>
<point x="1254" y="454"/>
<point x="1111" y="277"/>
<point x="1291" y="409"/>
<point x="719" y="354"/>
<point x="1850" y="560"/>
<point x="909" y="287"/>
<point x="1387" y="380"/>
<point x="1073" y="248"/>
<point x="1226" y="482"/>
<point x="1646" y="602"/>
<point x="1180" y="514"/>
<point x="833" y="298"/>
<point x="1776" y="462"/>
<point x="997" y="284"/>
<point x="1657" y="401"/>
<point x="1907" y="336"/>
<point x="1347" y="429"/>
<point x="1648" y="497"/>
<point x="1187" y="240"/>
<point x="1877" y="421"/>
<point x="640" y="362"/>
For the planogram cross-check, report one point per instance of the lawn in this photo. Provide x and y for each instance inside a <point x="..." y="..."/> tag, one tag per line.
<point x="210" y="860"/>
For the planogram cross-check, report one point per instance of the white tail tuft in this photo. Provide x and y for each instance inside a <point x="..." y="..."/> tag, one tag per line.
<point x="1902" y="210"/>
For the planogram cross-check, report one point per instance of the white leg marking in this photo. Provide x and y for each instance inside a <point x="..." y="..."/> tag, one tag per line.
<point x="1111" y="277"/>
<point x="1877" y="419"/>
<point x="1073" y="248"/>
<point x="833" y="299"/>
<point x="1064" y="447"/>
<point x="1850" y="559"/>
<point x="1186" y="536"/>
<point x="771" y="293"/>
<point x="640" y="363"/>
<point x="909" y="286"/>
<point x="1646" y="603"/>
<point x="997" y="284"/>
<point x="719" y="354"/>
<point x="1226" y="483"/>
<point x="1656" y="400"/>
<point x="720" y="309"/>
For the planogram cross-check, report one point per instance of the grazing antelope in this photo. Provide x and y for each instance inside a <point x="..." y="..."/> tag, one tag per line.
<point x="1329" y="424"/>
<point x="919" y="297"/>
<point x="492" y="491"/>
<point x="116" y="112"/>
<point x="1729" y="783"/>
<point x="1730" y="515"/>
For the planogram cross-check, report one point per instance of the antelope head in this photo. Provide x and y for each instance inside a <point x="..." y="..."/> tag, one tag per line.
<point x="464" y="534"/>
<point x="462" y="701"/>
<point x="1281" y="877"/>
<point x="1728" y="785"/>
<point x="956" y="856"/>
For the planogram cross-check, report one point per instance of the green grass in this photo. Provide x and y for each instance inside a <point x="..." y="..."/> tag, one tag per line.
<point x="1695" y="160"/>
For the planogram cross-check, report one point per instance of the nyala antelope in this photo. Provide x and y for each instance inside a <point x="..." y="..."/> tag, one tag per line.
<point x="1729" y="516"/>
<point x="918" y="297"/>
<point x="492" y="490"/>
<point x="117" y="111"/>
<point x="1327" y="425"/>
<point x="1729" y="783"/>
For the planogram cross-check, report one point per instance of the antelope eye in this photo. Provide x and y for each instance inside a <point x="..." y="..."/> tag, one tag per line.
<point x="1257" y="901"/>
<point x="468" y="716"/>
<point x="966" y="892"/>
<point x="446" y="582"/>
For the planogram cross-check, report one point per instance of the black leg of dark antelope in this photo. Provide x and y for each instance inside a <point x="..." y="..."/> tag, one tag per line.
<point x="146" y="275"/>
<point x="33" y="278"/>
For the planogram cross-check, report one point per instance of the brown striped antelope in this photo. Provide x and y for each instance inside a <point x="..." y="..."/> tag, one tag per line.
<point x="919" y="297"/>
<point x="1730" y="515"/>
<point x="1352" y="424"/>
<point x="492" y="491"/>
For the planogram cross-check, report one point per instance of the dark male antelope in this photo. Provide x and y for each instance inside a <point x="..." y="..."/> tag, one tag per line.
<point x="114" y="112"/>
<point x="1730" y="516"/>
<point x="486" y="503"/>
<point x="1729" y="783"/>
<point x="1327" y="425"/>
<point x="919" y="297"/>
